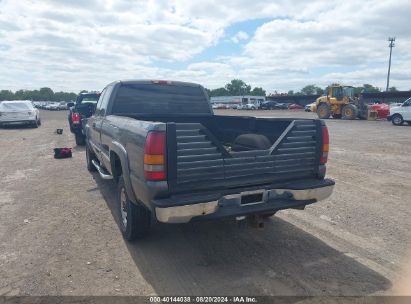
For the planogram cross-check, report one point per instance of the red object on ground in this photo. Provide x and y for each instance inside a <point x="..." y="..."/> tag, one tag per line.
<point x="294" y="107"/>
<point x="383" y="109"/>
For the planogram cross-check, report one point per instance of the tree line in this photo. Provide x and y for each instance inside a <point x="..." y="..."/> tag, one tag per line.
<point x="44" y="94"/>
<point x="312" y="89"/>
<point x="235" y="87"/>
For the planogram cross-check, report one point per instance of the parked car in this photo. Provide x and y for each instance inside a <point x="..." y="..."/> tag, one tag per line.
<point x="268" y="105"/>
<point x="295" y="107"/>
<point x="282" y="106"/>
<point x="250" y="106"/>
<point x="220" y="106"/>
<point x="310" y="107"/>
<point x="79" y="111"/>
<point x="383" y="109"/>
<point x="52" y="106"/>
<point x="175" y="161"/>
<point x="62" y="106"/>
<point x="19" y="112"/>
<point x="399" y="114"/>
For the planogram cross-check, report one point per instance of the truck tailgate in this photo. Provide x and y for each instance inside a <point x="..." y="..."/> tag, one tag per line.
<point x="198" y="161"/>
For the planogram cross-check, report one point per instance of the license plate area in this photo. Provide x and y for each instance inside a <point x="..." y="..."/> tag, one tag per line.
<point x="253" y="198"/>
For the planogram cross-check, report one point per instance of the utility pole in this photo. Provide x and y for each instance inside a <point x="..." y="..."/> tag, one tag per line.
<point x="391" y="45"/>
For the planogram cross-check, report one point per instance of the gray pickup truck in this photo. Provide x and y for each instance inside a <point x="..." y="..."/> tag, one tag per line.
<point x="175" y="161"/>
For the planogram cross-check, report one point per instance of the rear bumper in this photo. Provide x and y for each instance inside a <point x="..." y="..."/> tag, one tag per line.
<point x="76" y="128"/>
<point x="233" y="205"/>
<point x="18" y="121"/>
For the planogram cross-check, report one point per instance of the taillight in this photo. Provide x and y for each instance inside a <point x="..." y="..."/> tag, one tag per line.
<point x="75" y="118"/>
<point x="325" y="146"/>
<point x="155" y="156"/>
<point x="161" y="81"/>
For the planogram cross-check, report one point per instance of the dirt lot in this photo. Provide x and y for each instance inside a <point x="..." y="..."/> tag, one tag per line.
<point x="59" y="236"/>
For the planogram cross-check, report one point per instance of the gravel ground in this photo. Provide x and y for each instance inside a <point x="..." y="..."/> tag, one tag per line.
<point x="59" y="233"/>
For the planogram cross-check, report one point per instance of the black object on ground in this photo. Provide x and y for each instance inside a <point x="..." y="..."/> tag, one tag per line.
<point x="62" y="153"/>
<point x="59" y="131"/>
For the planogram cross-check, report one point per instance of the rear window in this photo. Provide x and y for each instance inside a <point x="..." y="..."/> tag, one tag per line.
<point x="160" y="99"/>
<point x="89" y="99"/>
<point x="15" y="106"/>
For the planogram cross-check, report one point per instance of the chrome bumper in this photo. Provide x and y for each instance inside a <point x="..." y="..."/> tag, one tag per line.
<point x="183" y="214"/>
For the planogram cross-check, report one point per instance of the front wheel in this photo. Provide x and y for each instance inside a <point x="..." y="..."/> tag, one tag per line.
<point x="397" y="120"/>
<point x="35" y="124"/>
<point x="349" y="112"/>
<point x="135" y="219"/>
<point x="324" y="111"/>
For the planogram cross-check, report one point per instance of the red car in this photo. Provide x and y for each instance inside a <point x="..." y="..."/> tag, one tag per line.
<point x="295" y="107"/>
<point x="383" y="109"/>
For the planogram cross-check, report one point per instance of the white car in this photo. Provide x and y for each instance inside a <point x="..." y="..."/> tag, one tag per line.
<point x="19" y="112"/>
<point x="401" y="113"/>
<point x="250" y="106"/>
<point x="54" y="106"/>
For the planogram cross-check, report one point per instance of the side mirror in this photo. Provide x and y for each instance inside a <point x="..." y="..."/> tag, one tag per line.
<point x="70" y="104"/>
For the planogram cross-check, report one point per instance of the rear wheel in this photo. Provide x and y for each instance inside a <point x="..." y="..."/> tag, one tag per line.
<point x="349" y="112"/>
<point x="324" y="111"/>
<point x="397" y="120"/>
<point x="80" y="140"/>
<point x="134" y="218"/>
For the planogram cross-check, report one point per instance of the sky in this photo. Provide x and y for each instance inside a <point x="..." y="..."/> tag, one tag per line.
<point x="72" y="45"/>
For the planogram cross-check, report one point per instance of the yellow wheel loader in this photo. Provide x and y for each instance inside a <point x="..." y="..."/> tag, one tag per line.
<point x="340" y="102"/>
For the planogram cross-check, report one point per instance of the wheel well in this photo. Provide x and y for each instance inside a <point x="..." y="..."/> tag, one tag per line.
<point x="116" y="168"/>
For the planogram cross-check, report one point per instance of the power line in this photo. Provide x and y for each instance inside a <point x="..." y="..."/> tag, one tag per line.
<point x="391" y="45"/>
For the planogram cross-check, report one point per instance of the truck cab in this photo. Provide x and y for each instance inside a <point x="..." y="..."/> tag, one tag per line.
<point x="83" y="108"/>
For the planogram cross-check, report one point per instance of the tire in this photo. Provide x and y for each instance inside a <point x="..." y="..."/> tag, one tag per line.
<point x="349" y="112"/>
<point x="397" y="120"/>
<point x="89" y="157"/>
<point x="324" y="111"/>
<point x="134" y="219"/>
<point x="80" y="140"/>
<point x="39" y="122"/>
<point x="249" y="142"/>
<point x="35" y="124"/>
